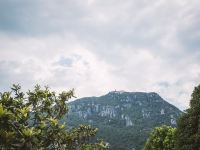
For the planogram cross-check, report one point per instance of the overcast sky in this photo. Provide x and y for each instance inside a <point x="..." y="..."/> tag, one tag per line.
<point x="97" y="46"/>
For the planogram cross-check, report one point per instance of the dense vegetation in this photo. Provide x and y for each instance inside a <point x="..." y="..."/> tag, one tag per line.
<point x="36" y="120"/>
<point x="31" y="121"/>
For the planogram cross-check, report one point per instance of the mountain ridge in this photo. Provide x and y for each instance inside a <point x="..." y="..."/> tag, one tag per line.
<point x="122" y="91"/>
<point x="131" y="115"/>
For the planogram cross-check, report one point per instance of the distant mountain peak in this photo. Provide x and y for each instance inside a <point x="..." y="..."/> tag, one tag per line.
<point x="117" y="92"/>
<point x="119" y="113"/>
<point x="134" y="94"/>
<point x="122" y="91"/>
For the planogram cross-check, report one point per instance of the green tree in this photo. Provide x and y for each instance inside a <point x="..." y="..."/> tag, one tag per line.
<point x="188" y="130"/>
<point x="32" y="121"/>
<point x="161" y="138"/>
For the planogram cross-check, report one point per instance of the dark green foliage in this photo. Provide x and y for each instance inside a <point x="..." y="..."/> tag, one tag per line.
<point x="31" y="121"/>
<point x="188" y="133"/>
<point x="161" y="138"/>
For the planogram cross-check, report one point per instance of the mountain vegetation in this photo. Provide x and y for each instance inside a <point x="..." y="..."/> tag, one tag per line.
<point x="31" y="121"/>
<point x="43" y="120"/>
<point x="125" y="119"/>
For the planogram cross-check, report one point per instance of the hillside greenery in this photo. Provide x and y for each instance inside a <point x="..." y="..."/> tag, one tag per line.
<point x="36" y="120"/>
<point x="31" y="121"/>
<point x="124" y="119"/>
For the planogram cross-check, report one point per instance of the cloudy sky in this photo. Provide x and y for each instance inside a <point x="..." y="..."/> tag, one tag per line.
<point x="97" y="46"/>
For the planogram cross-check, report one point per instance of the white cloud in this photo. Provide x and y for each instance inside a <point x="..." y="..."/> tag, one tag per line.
<point x="98" y="46"/>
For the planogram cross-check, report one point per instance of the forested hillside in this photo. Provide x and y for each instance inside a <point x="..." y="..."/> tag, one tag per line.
<point x="124" y="119"/>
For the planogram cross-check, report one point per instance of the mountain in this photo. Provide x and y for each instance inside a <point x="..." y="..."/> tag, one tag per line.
<point x="124" y="119"/>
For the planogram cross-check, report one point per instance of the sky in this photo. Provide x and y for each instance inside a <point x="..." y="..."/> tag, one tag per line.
<point x="97" y="46"/>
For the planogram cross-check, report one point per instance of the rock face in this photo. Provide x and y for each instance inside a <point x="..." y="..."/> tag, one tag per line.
<point x="131" y="115"/>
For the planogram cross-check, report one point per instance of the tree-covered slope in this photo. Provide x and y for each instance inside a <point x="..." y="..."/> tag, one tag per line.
<point x="124" y="119"/>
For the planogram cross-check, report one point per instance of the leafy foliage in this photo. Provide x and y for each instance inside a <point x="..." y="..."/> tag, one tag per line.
<point x="188" y="133"/>
<point x="32" y="121"/>
<point x="161" y="138"/>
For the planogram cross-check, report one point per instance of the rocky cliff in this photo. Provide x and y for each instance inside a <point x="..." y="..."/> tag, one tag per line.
<point x="124" y="118"/>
